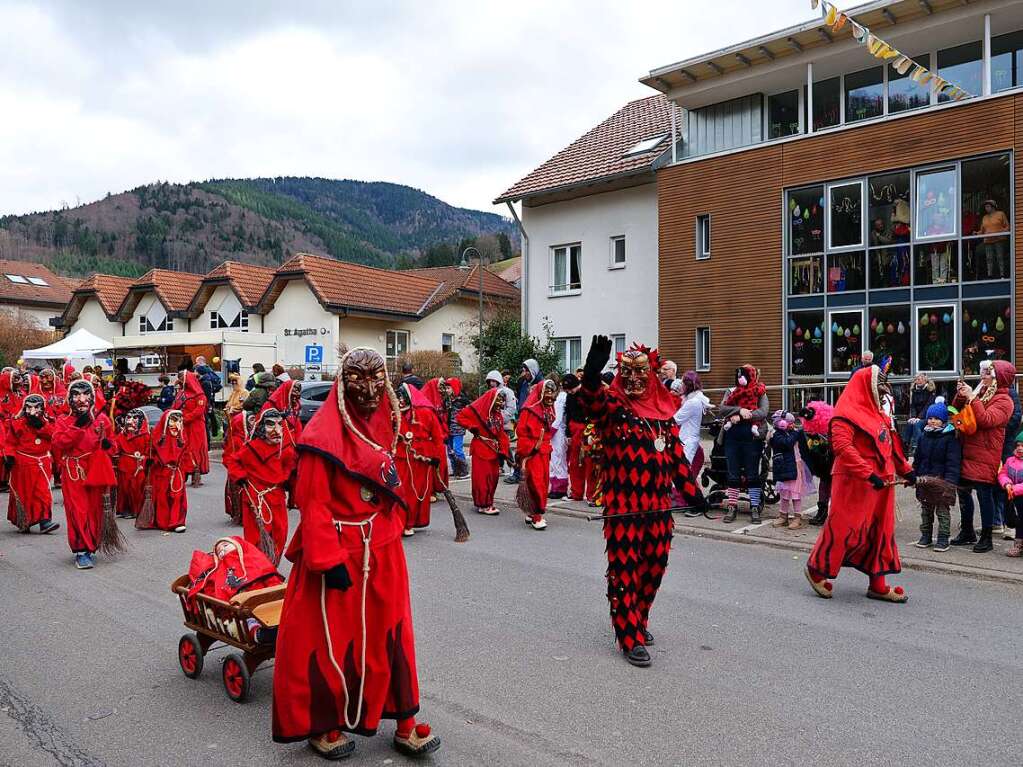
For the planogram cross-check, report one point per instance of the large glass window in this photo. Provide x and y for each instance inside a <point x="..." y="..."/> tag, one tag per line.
<point x="889" y="209"/>
<point x="570" y="352"/>
<point x="964" y="66"/>
<point x="806" y="343"/>
<point x="889" y="334"/>
<point x="846" y="340"/>
<point x="936" y="263"/>
<point x="936" y="203"/>
<point x="827" y="103"/>
<point x="806" y="221"/>
<point x="906" y="93"/>
<point x="1006" y="61"/>
<point x="987" y="332"/>
<point x="783" y="114"/>
<point x="806" y="275"/>
<point x="889" y="268"/>
<point x="935" y="340"/>
<point x="864" y="94"/>
<point x="846" y="272"/>
<point x="566" y="269"/>
<point x="846" y="218"/>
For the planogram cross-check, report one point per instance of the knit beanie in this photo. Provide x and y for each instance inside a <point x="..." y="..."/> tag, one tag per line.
<point x="938" y="410"/>
<point x="1019" y="437"/>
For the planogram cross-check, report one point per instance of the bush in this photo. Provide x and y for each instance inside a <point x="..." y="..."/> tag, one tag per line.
<point x="506" y="348"/>
<point x="432" y="364"/>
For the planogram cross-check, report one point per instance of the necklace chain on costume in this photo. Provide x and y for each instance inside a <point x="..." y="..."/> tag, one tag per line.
<point x="659" y="442"/>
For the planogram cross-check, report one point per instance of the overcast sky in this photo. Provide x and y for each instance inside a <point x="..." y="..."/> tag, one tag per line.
<point x="457" y="98"/>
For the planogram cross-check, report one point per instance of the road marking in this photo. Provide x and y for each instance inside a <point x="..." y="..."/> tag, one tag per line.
<point x="747" y="528"/>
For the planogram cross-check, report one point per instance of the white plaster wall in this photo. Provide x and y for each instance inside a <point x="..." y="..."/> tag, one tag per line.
<point x="222" y="295"/>
<point x="298" y="309"/>
<point x="612" y="300"/>
<point x="31" y="315"/>
<point x="94" y="319"/>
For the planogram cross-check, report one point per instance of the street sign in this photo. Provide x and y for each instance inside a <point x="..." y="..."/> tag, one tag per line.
<point x="313" y="366"/>
<point x="313" y="354"/>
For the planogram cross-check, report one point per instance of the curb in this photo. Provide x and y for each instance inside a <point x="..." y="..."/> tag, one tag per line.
<point x="908" y="563"/>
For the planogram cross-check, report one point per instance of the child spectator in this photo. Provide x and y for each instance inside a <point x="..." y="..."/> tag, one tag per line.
<point x="791" y="476"/>
<point x="1011" y="478"/>
<point x="937" y="463"/>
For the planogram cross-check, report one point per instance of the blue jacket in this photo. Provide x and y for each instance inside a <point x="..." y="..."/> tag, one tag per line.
<point x="939" y="454"/>
<point x="783" y="461"/>
<point x="166" y="398"/>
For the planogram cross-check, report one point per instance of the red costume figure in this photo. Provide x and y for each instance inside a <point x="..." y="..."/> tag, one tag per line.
<point x="287" y="400"/>
<point x="10" y="406"/>
<point x="192" y="403"/>
<point x="860" y="529"/>
<point x="67" y="374"/>
<point x="437" y="392"/>
<point x="642" y="459"/>
<point x="170" y="465"/>
<point x="97" y="389"/>
<point x="234" y="566"/>
<point x="262" y="469"/>
<point x="484" y="418"/>
<point x="82" y="440"/>
<point x="420" y="451"/>
<point x="53" y="392"/>
<point x="31" y="468"/>
<point x="346" y="651"/>
<point x="239" y="428"/>
<point x="533" y="432"/>
<point x="132" y="446"/>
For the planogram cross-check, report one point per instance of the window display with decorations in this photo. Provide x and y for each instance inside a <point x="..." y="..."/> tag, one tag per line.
<point x="936" y="338"/>
<point x="889" y="334"/>
<point x="846" y="337"/>
<point x="987" y="332"/>
<point x="806" y="221"/>
<point x="806" y="343"/>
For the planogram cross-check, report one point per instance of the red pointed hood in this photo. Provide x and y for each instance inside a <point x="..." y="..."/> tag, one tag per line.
<point x="192" y="387"/>
<point x="431" y="390"/>
<point x="361" y="447"/>
<point x="166" y="446"/>
<point x="35" y="386"/>
<point x="66" y="372"/>
<point x="477" y="414"/>
<point x="656" y="402"/>
<point x="280" y="398"/>
<point x="860" y="406"/>
<point x="533" y="403"/>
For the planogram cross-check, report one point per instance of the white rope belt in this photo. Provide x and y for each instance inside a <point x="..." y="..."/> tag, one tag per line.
<point x="366" y="531"/>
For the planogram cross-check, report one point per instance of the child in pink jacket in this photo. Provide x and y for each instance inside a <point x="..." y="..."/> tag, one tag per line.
<point x="1011" y="478"/>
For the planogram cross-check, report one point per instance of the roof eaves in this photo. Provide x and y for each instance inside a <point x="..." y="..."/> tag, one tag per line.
<point x="594" y="181"/>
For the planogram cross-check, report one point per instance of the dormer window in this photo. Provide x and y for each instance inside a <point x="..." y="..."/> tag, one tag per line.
<point x="153" y="318"/>
<point x="647" y="144"/>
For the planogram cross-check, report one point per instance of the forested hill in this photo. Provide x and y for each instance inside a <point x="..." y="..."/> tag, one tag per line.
<point x="262" y="221"/>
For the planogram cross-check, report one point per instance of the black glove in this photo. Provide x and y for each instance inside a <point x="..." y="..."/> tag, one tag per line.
<point x="105" y="443"/>
<point x="338" y="578"/>
<point x="596" y="359"/>
<point x="876" y="482"/>
<point x="83" y="420"/>
<point x="9" y="462"/>
<point x="34" y="421"/>
<point x="910" y="478"/>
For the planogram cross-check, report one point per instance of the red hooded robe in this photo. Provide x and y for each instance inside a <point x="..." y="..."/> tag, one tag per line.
<point x="132" y="458"/>
<point x="490" y="442"/>
<point x="534" y="435"/>
<point x="280" y="400"/>
<point x="860" y="529"/>
<point x="171" y="465"/>
<point x="32" y="474"/>
<point x="352" y="515"/>
<point x="87" y="474"/>
<point x="192" y="403"/>
<point x="420" y="451"/>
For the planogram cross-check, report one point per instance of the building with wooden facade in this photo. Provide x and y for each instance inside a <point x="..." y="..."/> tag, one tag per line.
<point x="819" y="202"/>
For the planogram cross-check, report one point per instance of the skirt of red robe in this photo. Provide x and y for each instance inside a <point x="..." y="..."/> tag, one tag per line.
<point x="859" y="531"/>
<point x="30" y="487"/>
<point x="308" y="695"/>
<point x="418" y="478"/>
<point x="83" y="511"/>
<point x="273" y="514"/>
<point x="170" y="499"/>
<point x="198" y="445"/>
<point x="485" y="474"/>
<point x="537" y="476"/>
<point x="131" y="491"/>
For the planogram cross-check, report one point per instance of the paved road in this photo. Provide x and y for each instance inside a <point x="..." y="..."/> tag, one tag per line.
<point x="516" y="662"/>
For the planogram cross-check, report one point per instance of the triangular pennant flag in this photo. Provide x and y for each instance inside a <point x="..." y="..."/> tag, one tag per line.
<point x="839" y="22"/>
<point x="902" y="64"/>
<point x="832" y="14"/>
<point x="859" y="32"/>
<point x="873" y="44"/>
<point x="938" y="83"/>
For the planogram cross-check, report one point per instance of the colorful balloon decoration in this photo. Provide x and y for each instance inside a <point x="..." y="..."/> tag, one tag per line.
<point x="817" y="333"/>
<point x="999" y="325"/>
<point x="902" y="329"/>
<point x="856" y="330"/>
<point x="834" y="327"/>
<point x="890" y="328"/>
<point x="847" y="333"/>
<point x="946" y="318"/>
<point x="873" y="324"/>
<point x="983" y="328"/>
<point x="880" y="329"/>
<point x="924" y="319"/>
<point x="792" y="324"/>
<point x="974" y="324"/>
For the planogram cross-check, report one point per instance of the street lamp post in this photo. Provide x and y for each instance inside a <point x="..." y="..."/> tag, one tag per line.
<point x="479" y="348"/>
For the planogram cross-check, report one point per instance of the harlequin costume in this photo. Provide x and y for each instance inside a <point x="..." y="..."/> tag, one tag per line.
<point x="346" y="650"/>
<point x="31" y="468"/>
<point x="860" y="528"/>
<point x="533" y="434"/>
<point x="419" y="453"/>
<point x="132" y="447"/>
<point x="171" y="463"/>
<point x="484" y="418"/>
<point x="642" y="460"/>
<point x="82" y="439"/>
<point x="192" y="403"/>
<point x="262" y="469"/>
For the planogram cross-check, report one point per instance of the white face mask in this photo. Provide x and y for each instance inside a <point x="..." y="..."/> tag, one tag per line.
<point x="742" y="381"/>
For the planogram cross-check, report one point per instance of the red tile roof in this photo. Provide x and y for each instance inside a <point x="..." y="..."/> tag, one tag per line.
<point x="600" y="154"/>
<point x="248" y="281"/>
<point x="468" y="280"/>
<point x="54" y="293"/>
<point x="110" y="291"/>
<point x="175" y="289"/>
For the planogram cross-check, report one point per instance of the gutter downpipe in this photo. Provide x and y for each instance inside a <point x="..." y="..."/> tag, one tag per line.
<point x="524" y="290"/>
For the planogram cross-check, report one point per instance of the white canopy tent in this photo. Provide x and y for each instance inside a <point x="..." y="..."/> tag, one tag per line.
<point x="80" y="348"/>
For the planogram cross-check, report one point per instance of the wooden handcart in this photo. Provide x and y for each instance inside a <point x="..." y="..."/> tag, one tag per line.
<point x="214" y="620"/>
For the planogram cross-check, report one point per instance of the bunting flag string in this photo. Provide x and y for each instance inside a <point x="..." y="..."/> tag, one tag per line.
<point x="886" y="52"/>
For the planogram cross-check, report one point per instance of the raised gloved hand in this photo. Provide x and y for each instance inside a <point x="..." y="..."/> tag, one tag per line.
<point x="876" y="482"/>
<point x="338" y="578"/>
<point x="910" y="478"/>
<point x="596" y="359"/>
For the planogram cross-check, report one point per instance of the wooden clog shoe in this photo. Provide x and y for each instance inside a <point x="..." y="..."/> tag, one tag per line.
<point x="419" y="742"/>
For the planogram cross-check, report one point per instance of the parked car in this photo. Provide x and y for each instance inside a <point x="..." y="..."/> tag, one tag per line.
<point x="314" y="394"/>
<point x="153" y="414"/>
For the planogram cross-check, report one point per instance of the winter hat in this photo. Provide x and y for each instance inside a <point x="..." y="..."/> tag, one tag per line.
<point x="781" y="415"/>
<point x="496" y="377"/>
<point x="1019" y="437"/>
<point x="938" y="410"/>
<point x="569" y="381"/>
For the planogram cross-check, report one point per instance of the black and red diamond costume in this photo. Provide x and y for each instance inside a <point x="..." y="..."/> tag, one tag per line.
<point x="642" y="459"/>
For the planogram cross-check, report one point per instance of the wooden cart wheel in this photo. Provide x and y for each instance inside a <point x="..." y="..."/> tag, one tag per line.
<point x="236" y="678"/>
<point x="190" y="655"/>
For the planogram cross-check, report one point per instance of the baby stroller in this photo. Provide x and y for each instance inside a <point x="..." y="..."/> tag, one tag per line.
<point x="714" y="478"/>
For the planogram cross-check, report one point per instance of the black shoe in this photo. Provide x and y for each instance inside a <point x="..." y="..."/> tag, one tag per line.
<point x="754" y="514"/>
<point x="638" y="656"/>
<point x="924" y="542"/>
<point x="556" y="496"/>
<point x="984" y="545"/>
<point x="512" y="480"/>
<point x="942" y="543"/>
<point x="730" y="514"/>
<point x="965" y="538"/>
<point x="649" y="638"/>
<point x="821" y="516"/>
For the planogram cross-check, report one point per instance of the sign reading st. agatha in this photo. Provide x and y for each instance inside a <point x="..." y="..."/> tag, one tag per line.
<point x="299" y="332"/>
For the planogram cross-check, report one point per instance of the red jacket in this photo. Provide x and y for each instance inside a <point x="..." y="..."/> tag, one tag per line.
<point x="982" y="450"/>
